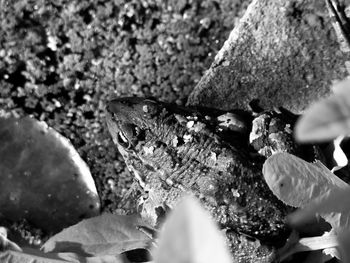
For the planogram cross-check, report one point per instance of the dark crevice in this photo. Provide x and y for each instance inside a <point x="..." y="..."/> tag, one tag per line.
<point x="49" y="56"/>
<point x="17" y="79"/>
<point x="86" y="15"/>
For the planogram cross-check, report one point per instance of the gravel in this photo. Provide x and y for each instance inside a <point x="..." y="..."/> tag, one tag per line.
<point x="60" y="61"/>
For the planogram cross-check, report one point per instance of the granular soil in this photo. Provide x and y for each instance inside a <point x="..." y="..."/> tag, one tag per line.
<point x="61" y="60"/>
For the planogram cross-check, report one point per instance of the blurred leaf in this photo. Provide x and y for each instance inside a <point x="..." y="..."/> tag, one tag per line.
<point x="327" y="241"/>
<point x="5" y="243"/>
<point x="297" y="182"/>
<point x="190" y="235"/>
<point x="76" y="258"/>
<point x="333" y="206"/>
<point x="339" y="155"/>
<point x="326" y="119"/>
<point x="27" y="257"/>
<point x="107" y="234"/>
<point x="43" y="179"/>
<point x="342" y="87"/>
<point x="35" y="256"/>
<point x="344" y="245"/>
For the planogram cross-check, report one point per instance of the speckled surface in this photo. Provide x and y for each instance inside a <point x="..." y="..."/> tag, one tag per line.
<point x="61" y="60"/>
<point x="284" y="53"/>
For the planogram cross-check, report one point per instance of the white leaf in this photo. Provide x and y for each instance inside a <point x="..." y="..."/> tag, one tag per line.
<point x="327" y="243"/>
<point x="333" y="206"/>
<point x="325" y="120"/>
<point x="342" y="87"/>
<point x="103" y="235"/>
<point x="190" y="235"/>
<point x="339" y="155"/>
<point x="6" y="244"/>
<point x="344" y="245"/>
<point x="297" y="182"/>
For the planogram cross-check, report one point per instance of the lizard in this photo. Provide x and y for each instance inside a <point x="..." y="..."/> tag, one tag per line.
<point x="173" y="150"/>
<point x="181" y="149"/>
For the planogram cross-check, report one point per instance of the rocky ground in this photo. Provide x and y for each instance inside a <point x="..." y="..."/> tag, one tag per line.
<point x="61" y="60"/>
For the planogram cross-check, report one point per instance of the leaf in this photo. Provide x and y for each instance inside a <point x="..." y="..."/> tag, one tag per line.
<point x="190" y="235"/>
<point x="103" y="235"/>
<point x="344" y="245"/>
<point x="21" y="257"/>
<point x="5" y="243"/>
<point x="342" y="87"/>
<point x="339" y="155"/>
<point x="35" y="256"/>
<point x="326" y="119"/>
<point x="297" y="182"/>
<point x="327" y="242"/>
<point x="333" y="206"/>
<point x="76" y="258"/>
<point x="43" y="179"/>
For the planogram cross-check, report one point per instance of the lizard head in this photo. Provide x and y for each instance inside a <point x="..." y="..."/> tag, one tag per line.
<point x="140" y="128"/>
<point x="128" y="119"/>
<point x="132" y="121"/>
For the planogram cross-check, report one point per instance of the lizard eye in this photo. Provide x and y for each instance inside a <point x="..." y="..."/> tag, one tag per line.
<point x="129" y="135"/>
<point x="122" y="140"/>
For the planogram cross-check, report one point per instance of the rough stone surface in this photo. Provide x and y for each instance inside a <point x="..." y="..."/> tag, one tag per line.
<point x="282" y="53"/>
<point x="43" y="179"/>
<point x="61" y="60"/>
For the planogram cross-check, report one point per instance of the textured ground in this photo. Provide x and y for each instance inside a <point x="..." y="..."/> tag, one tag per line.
<point x="61" y="60"/>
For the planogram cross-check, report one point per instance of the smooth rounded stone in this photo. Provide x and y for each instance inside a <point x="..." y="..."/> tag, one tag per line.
<point x="43" y="179"/>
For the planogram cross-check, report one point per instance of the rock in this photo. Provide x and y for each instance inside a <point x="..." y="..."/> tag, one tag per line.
<point x="43" y="179"/>
<point x="284" y="53"/>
